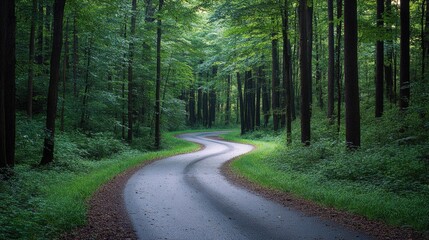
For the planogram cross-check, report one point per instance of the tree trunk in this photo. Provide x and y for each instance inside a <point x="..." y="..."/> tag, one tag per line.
<point x="83" y="123"/>
<point x="265" y="96"/>
<point x="192" y="117"/>
<point x="304" y="69"/>
<point x="130" y="71"/>
<point x="65" y="63"/>
<point x="75" y="56"/>
<point x="404" y="90"/>
<point x="48" y="149"/>
<point x="228" y="101"/>
<point x="351" y="75"/>
<point x="40" y="35"/>
<point x="379" y="88"/>
<point x="331" y="61"/>
<point x="240" y="97"/>
<point x="426" y="43"/>
<point x="31" y="57"/>
<point x="309" y="25"/>
<point x="7" y="84"/>
<point x="275" y="82"/>
<point x="319" y="89"/>
<point x="158" y="79"/>
<point x="338" y="63"/>
<point x="258" y="101"/>
<point x="286" y="71"/>
<point x="388" y="70"/>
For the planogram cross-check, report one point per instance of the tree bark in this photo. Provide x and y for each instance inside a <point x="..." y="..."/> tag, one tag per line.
<point x="331" y="61"/>
<point x="75" y="56"/>
<point x="304" y="69"/>
<point x="265" y="96"/>
<point x="65" y="63"/>
<point x="130" y="71"/>
<point x="40" y="35"/>
<point x="48" y="149"/>
<point x="83" y="123"/>
<point x="404" y="91"/>
<point x="158" y="79"/>
<point x="286" y="71"/>
<point x="228" y="101"/>
<point x="338" y="63"/>
<point x="388" y="70"/>
<point x="240" y="97"/>
<point x="31" y="57"/>
<point x="7" y="84"/>
<point x="379" y="88"/>
<point x="351" y="75"/>
<point x="275" y="82"/>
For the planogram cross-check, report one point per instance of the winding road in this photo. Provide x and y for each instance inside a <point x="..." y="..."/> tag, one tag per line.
<point x="186" y="197"/>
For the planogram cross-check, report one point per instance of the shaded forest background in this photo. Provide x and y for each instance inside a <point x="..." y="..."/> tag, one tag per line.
<point x="320" y="78"/>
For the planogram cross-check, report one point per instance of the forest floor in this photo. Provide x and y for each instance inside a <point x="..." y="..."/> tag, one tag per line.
<point x="107" y="217"/>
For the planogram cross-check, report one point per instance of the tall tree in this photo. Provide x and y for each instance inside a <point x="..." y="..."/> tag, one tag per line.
<point x="338" y="62"/>
<point x="331" y="60"/>
<point x="7" y="83"/>
<point x="158" y="79"/>
<point x="304" y="69"/>
<point x="275" y="81"/>
<point x="388" y="71"/>
<point x="48" y="149"/>
<point x="31" y="57"/>
<point x="130" y="71"/>
<point x="379" y="88"/>
<point x="75" y="55"/>
<point x="65" y="64"/>
<point x="241" y="103"/>
<point x="404" y="92"/>
<point x="351" y="75"/>
<point x="228" y="101"/>
<point x="286" y="69"/>
<point x="425" y="40"/>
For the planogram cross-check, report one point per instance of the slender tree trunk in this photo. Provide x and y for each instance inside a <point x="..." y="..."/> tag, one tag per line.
<point x="286" y="70"/>
<point x="304" y="69"/>
<point x="48" y="30"/>
<point x="379" y="88"/>
<point x="7" y="84"/>
<point x="265" y="96"/>
<point x="75" y="55"/>
<point x="130" y="71"/>
<point x="275" y="82"/>
<point x="426" y="42"/>
<point x="404" y="91"/>
<point x="48" y="149"/>
<point x="240" y="97"/>
<point x="258" y="101"/>
<point x="228" y="101"/>
<point x="318" y="41"/>
<point x="331" y="61"/>
<point x="309" y="25"/>
<point x="31" y="57"/>
<point x="351" y="75"/>
<point x="158" y="79"/>
<point x="338" y="64"/>
<point x="192" y="117"/>
<point x="65" y="63"/>
<point x="83" y="123"/>
<point x="388" y="70"/>
<point x="40" y="35"/>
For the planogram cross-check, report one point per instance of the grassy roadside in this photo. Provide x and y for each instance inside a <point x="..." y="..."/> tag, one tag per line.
<point x="389" y="189"/>
<point x="40" y="203"/>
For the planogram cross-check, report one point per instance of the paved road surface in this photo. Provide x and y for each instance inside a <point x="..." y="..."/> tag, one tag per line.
<point x="186" y="197"/>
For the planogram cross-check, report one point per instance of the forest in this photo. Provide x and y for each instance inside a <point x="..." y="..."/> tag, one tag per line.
<point x="334" y="94"/>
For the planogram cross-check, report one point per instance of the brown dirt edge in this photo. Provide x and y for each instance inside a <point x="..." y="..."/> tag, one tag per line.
<point x="358" y="223"/>
<point x="107" y="217"/>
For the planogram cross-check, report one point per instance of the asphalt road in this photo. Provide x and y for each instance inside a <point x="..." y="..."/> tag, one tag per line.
<point x="186" y="197"/>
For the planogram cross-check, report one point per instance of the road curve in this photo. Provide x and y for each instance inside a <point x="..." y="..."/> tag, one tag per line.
<point x="186" y="197"/>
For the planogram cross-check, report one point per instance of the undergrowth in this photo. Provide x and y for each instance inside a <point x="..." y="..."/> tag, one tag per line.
<point x="44" y="202"/>
<point x="386" y="179"/>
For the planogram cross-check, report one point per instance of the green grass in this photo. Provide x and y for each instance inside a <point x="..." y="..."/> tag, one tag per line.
<point x="382" y="181"/>
<point x="41" y="203"/>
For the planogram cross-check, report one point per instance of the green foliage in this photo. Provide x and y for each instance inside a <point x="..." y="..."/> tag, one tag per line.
<point x="42" y="203"/>
<point x="386" y="179"/>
